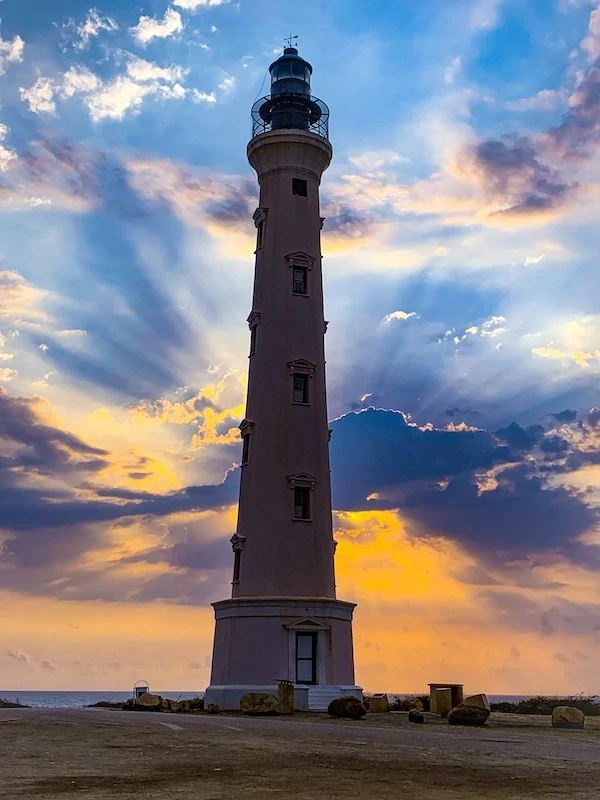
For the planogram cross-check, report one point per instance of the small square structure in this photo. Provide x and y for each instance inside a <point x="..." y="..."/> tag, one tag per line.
<point x="456" y="695"/>
<point x="378" y="704"/>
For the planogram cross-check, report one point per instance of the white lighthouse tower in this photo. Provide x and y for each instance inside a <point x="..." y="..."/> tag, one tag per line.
<point x="283" y="620"/>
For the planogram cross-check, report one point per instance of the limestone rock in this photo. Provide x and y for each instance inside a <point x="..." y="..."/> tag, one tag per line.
<point x="477" y="701"/>
<point x="148" y="702"/>
<point x="174" y="706"/>
<point x="213" y="708"/>
<point x="416" y="704"/>
<point x="259" y="703"/>
<point x="348" y="707"/>
<point x="468" y="715"/>
<point x="128" y="705"/>
<point x="567" y="717"/>
<point x="415" y="716"/>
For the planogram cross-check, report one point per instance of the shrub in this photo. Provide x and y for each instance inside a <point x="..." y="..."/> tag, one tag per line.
<point x="546" y="705"/>
<point x="401" y="702"/>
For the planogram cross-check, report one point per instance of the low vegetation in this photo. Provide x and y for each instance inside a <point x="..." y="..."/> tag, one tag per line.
<point x="545" y="705"/>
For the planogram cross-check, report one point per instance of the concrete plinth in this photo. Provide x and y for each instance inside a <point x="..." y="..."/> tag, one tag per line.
<point x="255" y="647"/>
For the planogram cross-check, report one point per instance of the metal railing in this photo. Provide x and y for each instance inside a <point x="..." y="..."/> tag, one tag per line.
<point x="290" y="111"/>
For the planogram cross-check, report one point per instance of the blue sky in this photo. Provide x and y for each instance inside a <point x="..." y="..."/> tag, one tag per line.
<point x="463" y="352"/>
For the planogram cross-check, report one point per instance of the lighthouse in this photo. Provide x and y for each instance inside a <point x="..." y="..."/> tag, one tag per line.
<point x="283" y="620"/>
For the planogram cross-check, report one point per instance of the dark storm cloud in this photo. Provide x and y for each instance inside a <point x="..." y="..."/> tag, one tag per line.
<point x="579" y="133"/>
<point x="512" y="169"/>
<point x="39" y="447"/>
<point x="374" y="449"/>
<point x="437" y="478"/>
<point x="23" y="511"/>
<point x="519" y="516"/>
<point x="517" y="169"/>
<point x="203" y="556"/>
<point x="568" y="415"/>
<point x="237" y="208"/>
<point x="344" y="222"/>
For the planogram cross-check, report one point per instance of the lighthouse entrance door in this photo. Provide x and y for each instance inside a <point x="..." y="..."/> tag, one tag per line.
<point x="306" y="658"/>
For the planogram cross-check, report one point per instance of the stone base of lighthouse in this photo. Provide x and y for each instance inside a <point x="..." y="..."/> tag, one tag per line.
<point x="262" y="640"/>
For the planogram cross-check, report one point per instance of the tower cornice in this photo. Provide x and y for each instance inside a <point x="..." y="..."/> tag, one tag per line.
<point x="290" y="150"/>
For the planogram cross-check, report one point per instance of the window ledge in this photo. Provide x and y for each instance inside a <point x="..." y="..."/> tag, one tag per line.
<point x="297" y="403"/>
<point x="301" y="519"/>
<point x="300" y="294"/>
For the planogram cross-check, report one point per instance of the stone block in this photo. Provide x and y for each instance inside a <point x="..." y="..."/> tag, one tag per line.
<point x="478" y="701"/>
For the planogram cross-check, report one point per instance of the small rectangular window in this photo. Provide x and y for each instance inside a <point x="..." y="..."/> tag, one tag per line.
<point x="260" y="235"/>
<point x="300" y="275"/>
<point x="300" y="388"/>
<point x="237" y="561"/>
<point x="302" y="503"/>
<point x="306" y="658"/>
<point x="245" y="448"/>
<point x="299" y="187"/>
<point x="253" y="340"/>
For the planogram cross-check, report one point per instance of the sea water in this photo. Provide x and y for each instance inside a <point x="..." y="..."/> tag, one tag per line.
<point x="81" y="699"/>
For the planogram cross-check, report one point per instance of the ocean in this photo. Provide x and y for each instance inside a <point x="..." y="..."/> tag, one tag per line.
<point x="82" y="699"/>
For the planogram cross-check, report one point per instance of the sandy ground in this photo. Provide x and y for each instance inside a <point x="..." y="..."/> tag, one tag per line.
<point x="100" y="754"/>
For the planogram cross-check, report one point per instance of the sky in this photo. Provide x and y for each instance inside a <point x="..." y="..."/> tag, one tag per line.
<point x="463" y="352"/>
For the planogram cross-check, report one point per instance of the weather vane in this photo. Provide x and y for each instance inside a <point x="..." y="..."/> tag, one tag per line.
<point x="290" y="40"/>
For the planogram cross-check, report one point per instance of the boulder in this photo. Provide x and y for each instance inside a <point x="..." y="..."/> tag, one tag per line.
<point x="415" y="716"/>
<point x="567" y="717"/>
<point x="148" y="702"/>
<point x="213" y="708"/>
<point x="184" y="706"/>
<point x="477" y="701"/>
<point x="416" y="704"/>
<point x="174" y="706"/>
<point x="128" y="705"/>
<point x="346" y="707"/>
<point x="259" y="703"/>
<point x="468" y="715"/>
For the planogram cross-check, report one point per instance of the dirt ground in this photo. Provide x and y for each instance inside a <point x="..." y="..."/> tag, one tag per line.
<point x="102" y="755"/>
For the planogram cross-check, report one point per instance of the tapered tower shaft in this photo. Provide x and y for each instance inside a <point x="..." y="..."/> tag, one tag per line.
<point x="285" y="497"/>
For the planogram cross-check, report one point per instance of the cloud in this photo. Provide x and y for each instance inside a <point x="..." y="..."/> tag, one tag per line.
<point x="20" y="303"/>
<point x="11" y="51"/>
<point x="199" y="96"/>
<point x="93" y="25"/>
<point x="484" y="14"/>
<point x="7" y="375"/>
<point x="40" y="96"/>
<point x="452" y="72"/>
<point x="113" y="99"/>
<point x="18" y="656"/>
<point x="374" y="160"/>
<point x="227" y="84"/>
<point x="515" y="180"/>
<point x="149" y="28"/>
<point x="591" y="43"/>
<point x="194" y="5"/>
<point x="544" y="100"/>
<point x="400" y="315"/>
<point x="6" y="154"/>
<point x="118" y="97"/>
<point x="39" y="447"/>
<point x="576" y="341"/>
